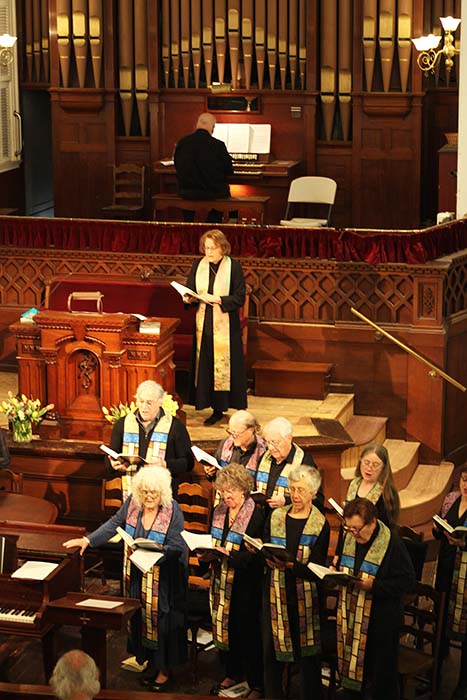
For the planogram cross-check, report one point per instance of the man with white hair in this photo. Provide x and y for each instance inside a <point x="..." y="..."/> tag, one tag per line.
<point x="281" y="455"/>
<point x="75" y="677"/>
<point x="203" y="165"/>
<point x="151" y="433"/>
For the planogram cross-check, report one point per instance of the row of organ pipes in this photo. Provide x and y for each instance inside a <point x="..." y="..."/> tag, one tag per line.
<point x="245" y="43"/>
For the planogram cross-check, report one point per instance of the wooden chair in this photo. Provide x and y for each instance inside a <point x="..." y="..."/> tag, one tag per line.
<point x="310" y="190"/>
<point x="196" y="505"/>
<point x="128" y="192"/>
<point x="420" y="640"/>
<point x="106" y="560"/>
<point x="11" y="481"/>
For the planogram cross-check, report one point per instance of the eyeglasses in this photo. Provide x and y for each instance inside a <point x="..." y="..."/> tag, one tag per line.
<point x="298" y="489"/>
<point x="274" y="443"/>
<point x="353" y="530"/>
<point x="374" y="466"/>
<point x="237" y="433"/>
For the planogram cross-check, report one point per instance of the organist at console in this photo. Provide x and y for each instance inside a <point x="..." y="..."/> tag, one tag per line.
<point x="257" y="173"/>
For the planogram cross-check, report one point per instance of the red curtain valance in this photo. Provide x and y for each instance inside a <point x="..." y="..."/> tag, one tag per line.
<point x="369" y="246"/>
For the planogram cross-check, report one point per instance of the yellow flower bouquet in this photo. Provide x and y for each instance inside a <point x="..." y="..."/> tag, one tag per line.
<point x="23" y="412"/>
<point x="113" y="413"/>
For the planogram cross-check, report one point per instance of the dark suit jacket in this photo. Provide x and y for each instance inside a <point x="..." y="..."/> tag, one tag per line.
<point x="203" y="166"/>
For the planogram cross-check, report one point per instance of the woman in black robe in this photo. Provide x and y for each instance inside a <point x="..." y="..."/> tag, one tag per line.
<point x="207" y="276"/>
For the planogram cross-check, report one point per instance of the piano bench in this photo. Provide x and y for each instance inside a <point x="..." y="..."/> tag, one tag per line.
<point x="250" y="210"/>
<point x="298" y="380"/>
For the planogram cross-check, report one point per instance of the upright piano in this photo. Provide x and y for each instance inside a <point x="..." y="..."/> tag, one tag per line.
<point x="23" y="602"/>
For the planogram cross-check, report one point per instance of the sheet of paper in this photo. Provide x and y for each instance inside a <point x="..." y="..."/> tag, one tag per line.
<point x="260" y="138"/>
<point x="104" y="604"/>
<point x="200" y="456"/>
<point x="239" y="138"/>
<point x="197" y="541"/>
<point x="221" y="132"/>
<point x="37" y="570"/>
<point x="145" y="559"/>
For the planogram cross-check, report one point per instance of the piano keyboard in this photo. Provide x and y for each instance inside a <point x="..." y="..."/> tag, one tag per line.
<point x="16" y="615"/>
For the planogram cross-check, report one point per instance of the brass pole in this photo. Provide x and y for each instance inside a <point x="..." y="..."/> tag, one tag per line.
<point x="434" y="369"/>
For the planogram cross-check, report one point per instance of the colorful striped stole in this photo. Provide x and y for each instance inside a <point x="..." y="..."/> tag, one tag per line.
<point x="222" y="580"/>
<point x="156" y="449"/>
<point x="220" y="321"/>
<point x="373" y="494"/>
<point x="281" y="487"/>
<point x="457" y="606"/>
<point x="252" y="466"/>
<point x="150" y="580"/>
<point x="307" y="592"/>
<point x="354" y="608"/>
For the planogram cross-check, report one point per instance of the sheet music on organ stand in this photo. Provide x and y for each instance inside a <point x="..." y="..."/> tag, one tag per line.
<point x="244" y="138"/>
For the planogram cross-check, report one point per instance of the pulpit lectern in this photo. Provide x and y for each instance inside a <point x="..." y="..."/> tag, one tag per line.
<point x="83" y="361"/>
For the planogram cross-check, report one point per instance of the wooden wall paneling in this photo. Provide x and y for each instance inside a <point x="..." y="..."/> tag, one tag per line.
<point x="126" y="65"/>
<point x="96" y="30"/>
<point x="220" y="37"/>
<point x="37" y="38"/>
<point x="404" y="43"/>
<point x="27" y="22"/>
<point x="293" y="41"/>
<point x="282" y="36"/>
<point x="63" y="33"/>
<point x="12" y="189"/>
<point x="370" y="19"/>
<point x="185" y="41"/>
<point x="233" y="32"/>
<point x="247" y="40"/>
<point x="334" y="160"/>
<point x="271" y="42"/>
<point x="328" y="34"/>
<point x="345" y="66"/>
<point x="79" y="26"/>
<point x="141" y="65"/>
<point x="196" y="39"/>
<point x="45" y="39"/>
<point x="260" y="39"/>
<point x="208" y="39"/>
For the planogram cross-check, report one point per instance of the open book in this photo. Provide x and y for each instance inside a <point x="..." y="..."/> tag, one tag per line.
<point x="129" y="459"/>
<point x="139" y="542"/>
<point x="330" y="575"/>
<point x="182" y="290"/>
<point x="205" y="458"/>
<point x="195" y="540"/>
<point x="259" y="497"/>
<point x="459" y="530"/>
<point x="339" y="510"/>
<point x="269" y="549"/>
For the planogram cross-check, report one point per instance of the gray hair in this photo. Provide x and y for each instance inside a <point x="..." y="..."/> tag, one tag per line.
<point x="75" y="672"/>
<point x="278" y="425"/>
<point x="310" y="474"/>
<point x="246" y="418"/>
<point x="152" y="479"/>
<point x="151" y="386"/>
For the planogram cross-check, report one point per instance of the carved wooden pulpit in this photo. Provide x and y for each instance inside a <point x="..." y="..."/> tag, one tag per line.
<point x="83" y="361"/>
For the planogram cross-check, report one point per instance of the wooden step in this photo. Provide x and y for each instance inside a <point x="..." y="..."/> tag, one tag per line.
<point x="424" y="495"/>
<point x="364" y="430"/>
<point x="403" y="456"/>
<point x="287" y="379"/>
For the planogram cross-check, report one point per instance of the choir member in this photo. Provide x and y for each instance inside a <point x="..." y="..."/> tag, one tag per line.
<point x="218" y="378"/>
<point x="157" y="630"/>
<point x="243" y="445"/>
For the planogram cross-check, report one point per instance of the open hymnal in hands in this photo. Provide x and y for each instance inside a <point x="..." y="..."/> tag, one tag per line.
<point x="323" y="572"/>
<point x="458" y="531"/>
<point x="205" y="458"/>
<point x="195" y="540"/>
<point x="128" y="459"/>
<point x="339" y="510"/>
<point x="139" y="542"/>
<point x="186" y="291"/>
<point x="269" y="549"/>
<point x="259" y="497"/>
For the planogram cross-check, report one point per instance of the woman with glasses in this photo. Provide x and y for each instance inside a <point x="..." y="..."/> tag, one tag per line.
<point x="370" y="610"/>
<point x="451" y="578"/>
<point x="236" y="576"/>
<point x="291" y="617"/>
<point x="157" y="631"/>
<point x="282" y="453"/>
<point x="218" y="376"/>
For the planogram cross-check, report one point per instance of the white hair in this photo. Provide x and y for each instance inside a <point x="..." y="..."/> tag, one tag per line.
<point x="152" y="479"/>
<point x="310" y="474"/>
<point x="75" y="672"/>
<point x="150" y="385"/>
<point x="278" y="425"/>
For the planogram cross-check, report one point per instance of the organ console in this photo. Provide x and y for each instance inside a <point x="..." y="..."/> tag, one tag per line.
<point x="23" y="602"/>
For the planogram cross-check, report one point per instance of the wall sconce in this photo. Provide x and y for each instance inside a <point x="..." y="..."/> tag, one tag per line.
<point x="427" y="45"/>
<point x="6" y="49"/>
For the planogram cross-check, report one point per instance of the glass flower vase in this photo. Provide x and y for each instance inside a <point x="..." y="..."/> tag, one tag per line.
<point x="22" y="431"/>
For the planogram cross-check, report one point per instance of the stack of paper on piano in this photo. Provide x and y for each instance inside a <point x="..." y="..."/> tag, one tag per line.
<point x="146" y="552"/>
<point x="36" y="570"/>
<point x="269" y="549"/>
<point x="324" y="572"/>
<point x="459" y="530"/>
<point x="129" y="459"/>
<point x="205" y="458"/>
